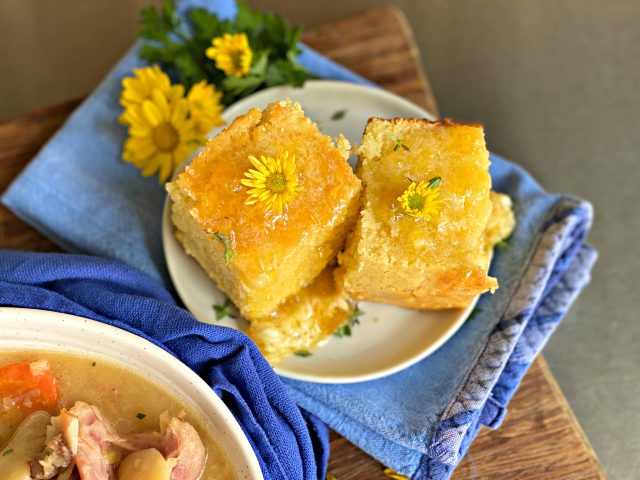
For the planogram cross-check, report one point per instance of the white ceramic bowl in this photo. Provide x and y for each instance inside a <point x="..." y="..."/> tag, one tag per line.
<point x="42" y="330"/>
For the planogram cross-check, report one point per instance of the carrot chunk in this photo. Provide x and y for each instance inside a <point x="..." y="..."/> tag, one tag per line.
<point x="26" y="387"/>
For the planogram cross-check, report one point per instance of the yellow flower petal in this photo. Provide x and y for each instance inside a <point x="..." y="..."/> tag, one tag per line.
<point x="152" y="113"/>
<point x="421" y="200"/>
<point x="231" y="53"/>
<point x="271" y="184"/>
<point x="161" y="132"/>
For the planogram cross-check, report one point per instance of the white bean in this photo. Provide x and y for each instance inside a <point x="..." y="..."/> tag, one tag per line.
<point x="146" y="464"/>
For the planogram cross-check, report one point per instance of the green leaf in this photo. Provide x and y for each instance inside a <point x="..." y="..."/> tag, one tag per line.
<point x="169" y="13"/>
<point x="398" y="143"/>
<point x="339" y="115"/>
<point x="261" y="60"/>
<point x="502" y="245"/>
<point x="180" y="51"/>
<point x="207" y="25"/>
<point x="302" y="353"/>
<point x="249" y="19"/>
<point x="140" y="416"/>
<point x="434" y="182"/>
<point x="225" y="310"/>
<point x="228" y="246"/>
<point x="354" y="319"/>
<point x="190" y="70"/>
<point x="242" y="86"/>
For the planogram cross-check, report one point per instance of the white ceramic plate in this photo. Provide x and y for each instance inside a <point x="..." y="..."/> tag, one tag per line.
<point x="388" y="339"/>
<point x="22" y="329"/>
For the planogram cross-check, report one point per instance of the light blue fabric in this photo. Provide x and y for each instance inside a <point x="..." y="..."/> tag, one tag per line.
<point x="420" y="421"/>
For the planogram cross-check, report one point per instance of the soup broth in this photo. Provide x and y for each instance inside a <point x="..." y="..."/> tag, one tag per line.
<point x="131" y="402"/>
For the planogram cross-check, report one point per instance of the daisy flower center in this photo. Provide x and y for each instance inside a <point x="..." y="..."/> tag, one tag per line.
<point x="415" y="202"/>
<point x="165" y="137"/>
<point x="422" y="199"/>
<point x="276" y="182"/>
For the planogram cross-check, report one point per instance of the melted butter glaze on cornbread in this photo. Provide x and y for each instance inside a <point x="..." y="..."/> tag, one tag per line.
<point x="304" y="320"/>
<point x="274" y="256"/>
<point x="415" y="263"/>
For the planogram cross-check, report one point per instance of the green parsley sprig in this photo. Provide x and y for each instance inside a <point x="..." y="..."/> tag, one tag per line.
<point x="179" y="47"/>
<point x="228" y="246"/>
<point x="354" y="319"/>
<point x="225" y="310"/>
<point x="398" y="144"/>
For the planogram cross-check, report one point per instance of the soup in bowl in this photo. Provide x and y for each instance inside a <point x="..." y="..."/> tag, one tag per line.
<point x="83" y="400"/>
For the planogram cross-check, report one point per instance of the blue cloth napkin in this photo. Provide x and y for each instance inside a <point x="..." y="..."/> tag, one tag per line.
<point x="419" y="421"/>
<point x="288" y="445"/>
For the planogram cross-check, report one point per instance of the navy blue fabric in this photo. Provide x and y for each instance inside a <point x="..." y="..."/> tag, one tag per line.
<point x="289" y="444"/>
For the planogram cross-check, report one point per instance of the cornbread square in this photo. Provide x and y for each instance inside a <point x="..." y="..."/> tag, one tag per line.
<point x="304" y="319"/>
<point x="271" y="255"/>
<point x="421" y="263"/>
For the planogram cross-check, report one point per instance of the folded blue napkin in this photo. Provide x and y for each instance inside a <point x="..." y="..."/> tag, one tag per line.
<point x="288" y="445"/>
<point x="419" y="421"/>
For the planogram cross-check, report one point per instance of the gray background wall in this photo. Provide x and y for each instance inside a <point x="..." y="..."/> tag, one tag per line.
<point x="556" y="84"/>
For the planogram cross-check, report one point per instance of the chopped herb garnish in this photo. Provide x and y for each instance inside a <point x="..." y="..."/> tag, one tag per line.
<point x="474" y="312"/>
<point x="502" y="245"/>
<point x="140" y="416"/>
<point x="7" y="452"/>
<point x="434" y="182"/>
<point x="225" y="310"/>
<point x="339" y="115"/>
<point x="354" y="319"/>
<point x="228" y="246"/>
<point x="398" y="144"/>
<point x="302" y="353"/>
<point x="93" y="364"/>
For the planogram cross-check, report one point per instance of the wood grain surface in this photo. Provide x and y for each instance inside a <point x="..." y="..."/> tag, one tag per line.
<point x="540" y="438"/>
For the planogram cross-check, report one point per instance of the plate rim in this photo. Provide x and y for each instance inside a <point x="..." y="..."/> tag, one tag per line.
<point x="167" y="233"/>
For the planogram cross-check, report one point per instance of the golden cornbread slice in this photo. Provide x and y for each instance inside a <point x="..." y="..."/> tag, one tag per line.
<point x="269" y="255"/>
<point x="303" y="320"/>
<point x="500" y="225"/>
<point x="421" y="263"/>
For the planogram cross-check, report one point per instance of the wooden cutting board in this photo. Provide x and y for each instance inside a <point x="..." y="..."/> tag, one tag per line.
<point x="540" y="438"/>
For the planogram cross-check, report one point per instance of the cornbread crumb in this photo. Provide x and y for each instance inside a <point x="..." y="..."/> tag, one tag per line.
<point x="502" y="220"/>
<point x="303" y="320"/>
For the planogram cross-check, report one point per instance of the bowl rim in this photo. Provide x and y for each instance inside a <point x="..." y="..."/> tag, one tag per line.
<point x="20" y="327"/>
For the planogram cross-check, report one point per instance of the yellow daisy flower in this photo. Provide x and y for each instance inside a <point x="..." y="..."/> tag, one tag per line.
<point x="232" y="54"/>
<point x="421" y="200"/>
<point x="205" y="107"/>
<point x="160" y="136"/>
<point x="141" y="86"/>
<point x="274" y="181"/>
